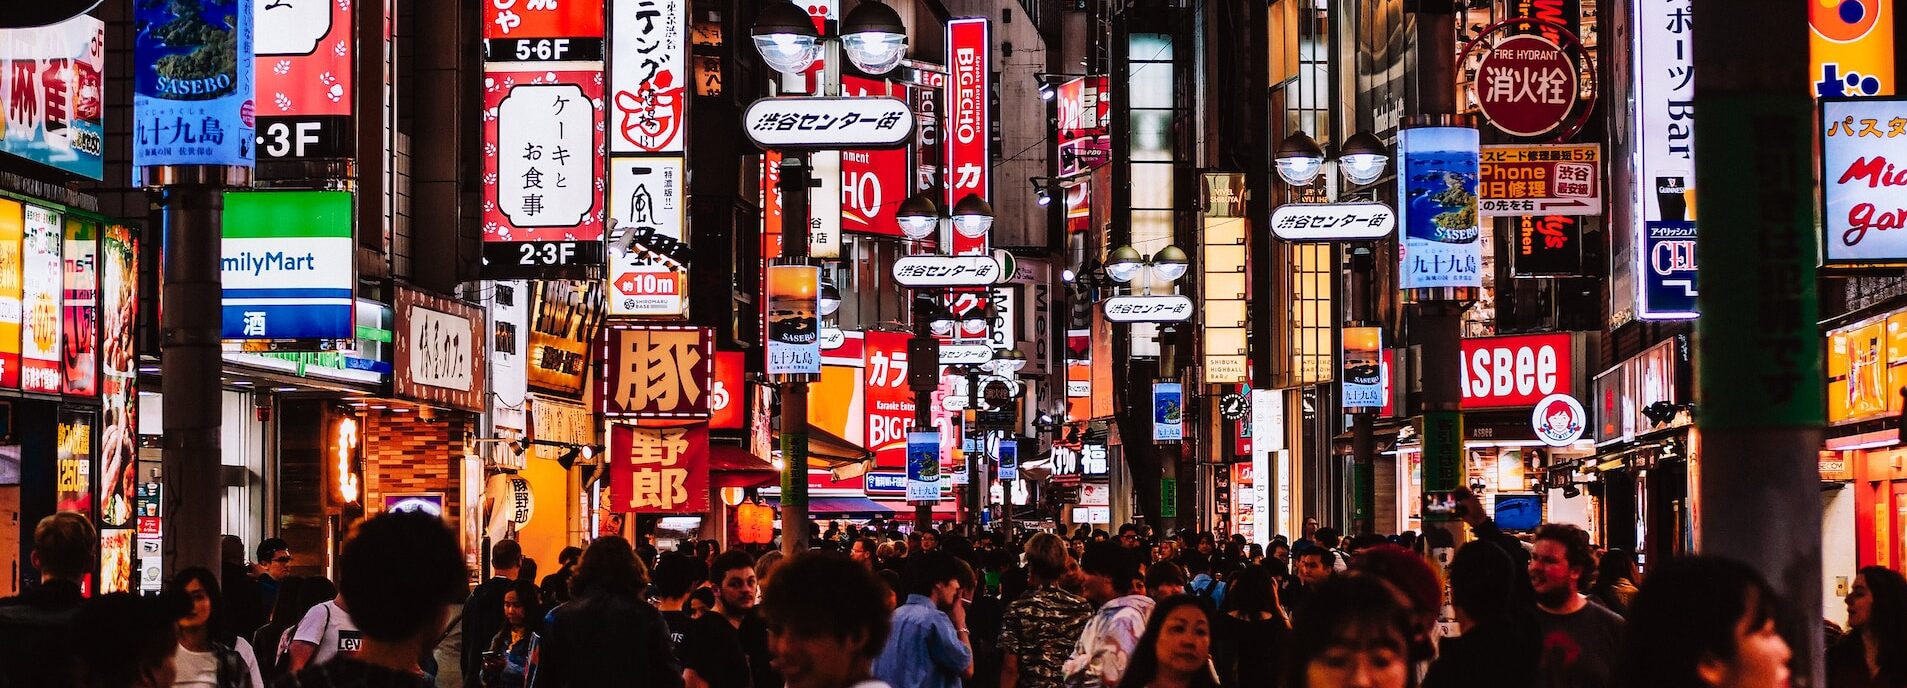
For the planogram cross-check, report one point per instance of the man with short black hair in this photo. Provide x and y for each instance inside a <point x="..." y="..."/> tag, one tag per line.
<point x="826" y="620"/>
<point x="1129" y="536"/>
<point x="483" y="612"/>
<point x="1314" y="565"/>
<point x="274" y="556"/>
<point x="1164" y="579"/>
<point x="674" y="579"/>
<point x="1111" y="579"/>
<point x="34" y="650"/>
<point x="1581" y="641"/>
<point x="729" y="648"/>
<point x="398" y="573"/>
<point x="926" y="646"/>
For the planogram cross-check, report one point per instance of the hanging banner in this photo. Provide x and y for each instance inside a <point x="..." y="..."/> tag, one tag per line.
<point x="890" y="404"/>
<point x="563" y="320"/>
<point x="1085" y="120"/>
<point x="509" y="312"/>
<point x="40" y="302"/>
<point x="659" y="470"/>
<point x="649" y="259"/>
<point x="648" y="45"/>
<point x="1362" y="381"/>
<point x="794" y="342"/>
<point x="12" y="234"/>
<point x="656" y="371"/>
<point x="79" y="343"/>
<point x="542" y="172"/>
<point x="824" y="219"/>
<point x="1438" y="184"/>
<point x="1665" y="154"/>
<point x="54" y="94"/>
<point x="539" y="31"/>
<point x="306" y="90"/>
<point x="1168" y="412"/>
<point x="1851" y="43"/>
<point x="288" y="265"/>
<point x="969" y="120"/>
<point x="192" y="84"/>
<point x="923" y="467"/>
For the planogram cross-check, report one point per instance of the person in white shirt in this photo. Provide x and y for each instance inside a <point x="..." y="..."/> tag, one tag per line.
<point x="209" y="655"/>
<point x="325" y="632"/>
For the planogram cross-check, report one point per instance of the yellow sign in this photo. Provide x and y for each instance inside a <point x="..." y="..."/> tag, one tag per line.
<point x="1867" y="365"/>
<point x="1852" y="43"/>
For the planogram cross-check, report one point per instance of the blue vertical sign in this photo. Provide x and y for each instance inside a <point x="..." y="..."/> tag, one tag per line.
<point x="923" y="466"/>
<point x="1668" y="270"/>
<point x="1168" y="412"/>
<point x="1437" y="208"/>
<point x="1009" y="459"/>
<point x="192" y="83"/>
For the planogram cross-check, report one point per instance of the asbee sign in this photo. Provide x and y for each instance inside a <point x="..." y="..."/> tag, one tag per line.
<point x="1501" y="372"/>
<point x="288" y="265"/>
<point x="828" y="123"/>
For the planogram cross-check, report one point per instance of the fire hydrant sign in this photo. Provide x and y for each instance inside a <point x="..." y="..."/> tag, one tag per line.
<point x="1556" y="179"/>
<point x="1863" y="172"/>
<point x="1526" y="86"/>
<point x="659" y="470"/>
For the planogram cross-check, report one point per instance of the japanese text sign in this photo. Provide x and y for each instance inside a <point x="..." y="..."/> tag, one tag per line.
<point x="1665" y="137"/>
<point x="1526" y="85"/>
<point x="1668" y="269"/>
<point x="649" y="207"/>
<point x="1333" y="221"/>
<point x="563" y="319"/>
<point x="12" y="233"/>
<point x="828" y="123"/>
<point x="1085" y="114"/>
<point x="794" y="340"/>
<point x="53" y="88"/>
<point x="917" y="272"/>
<point x="1437" y="192"/>
<point x="923" y="467"/>
<point x="970" y="117"/>
<point x="1168" y="412"/>
<point x="40" y="302"/>
<point x="1852" y="47"/>
<point x="1154" y="309"/>
<point x="440" y="356"/>
<point x="1515" y="371"/>
<point x="542" y="156"/>
<point x="659" y="470"/>
<point x="192" y="84"/>
<point x="288" y="265"/>
<point x="648" y="45"/>
<point x="79" y="342"/>
<point x="890" y="404"/>
<point x="1557" y="179"/>
<point x="305" y="83"/>
<point x="1862" y="205"/>
<point x="543" y="30"/>
<point x="1361" y="384"/>
<point x="656" y="371"/>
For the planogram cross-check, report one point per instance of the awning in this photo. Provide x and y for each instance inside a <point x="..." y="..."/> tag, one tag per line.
<point x="827" y="450"/>
<point x="839" y="505"/>
<point x="904" y="511"/>
<point x="732" y="466"/>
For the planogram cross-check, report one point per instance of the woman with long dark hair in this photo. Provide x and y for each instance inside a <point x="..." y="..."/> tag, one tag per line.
<point x="1616" y="578"/>
<point x="607" y="634"/>
<point x="508" y="654"/>
<point x="1874" y="651"/>
<point x="1250" y="632"/>
<point x="208" y="655"/>
<point x="1352" y="629"/>
<point x="1176" y="649"/>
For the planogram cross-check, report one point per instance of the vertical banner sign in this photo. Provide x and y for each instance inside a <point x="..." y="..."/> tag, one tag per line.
<point x="1168" y="412"/>
<point x="659" y="470"/>
<point x="79" y="343"/>
<point x="119" y="436"/>
<point x="1085" y="115"/>
<point x="1168" y="498"/>
<point x="1362" y="381"/>
<point x="54" y="94"/>
<point x="1851" y="43"/>
<point x="969" y="85"/>
<point x="1438" y="185"/>
<point x="1009" y="459"/>
<point x="648" y="48"/>
<point x="288" y="265"/>
<point x="890" y="404"/>
<point x="728" y="392"/>
<point x="305" y="85"/>
<point x="794" y="341"/>
<point x="648" y="266"/>
<point x="656" y="371"/>
<point x="930" y="138"/>
<point x="923" y="466"/>
<point x="509" y="311"/>
<point x="74" y="455"/>
<point x="1860" y="197"/>
<point x="873" y="182"/>
<point x="1222" y="276"/>
<point x="542" y="154"/>
<point x="1665" y="160"/>
<point x="1443" y="459"/>
<point x="12" y="232"/>
<point x="40" y="302"/>
<point x="192" y="83"/>
<point x="824" y="218"/>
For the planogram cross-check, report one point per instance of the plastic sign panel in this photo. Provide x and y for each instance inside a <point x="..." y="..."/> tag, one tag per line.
<point x="965" y="354"/>
<point x="55" y="94"/>
<point x="192" y="84"/>
<point x="927" y="272"/>
<point x="794" y="341"/>
<point x="542" y="31"/>
<point x="563" y="320"/>
<point x="1516" y="371"/>
<point x="542" y="172"/>
<point x="1866" y="363"/>
<point x="649" y="256"/>
<point x="1526" y="85"/>
<point x="885" y="483"/>
<point x="439" y="359"/>
<point x="79" y="342"/>
<point x="1547" y="246"/>
<point x="12" y="233"/>
<point x="1557" y="179"/>
<point x="40" y="311"/>
<point x="1437" y="187"/>
<point x="1009" y="459"/>
<point x="923" y="467"/>
<point x="1863" y="170"/>
<point x="890" y="404"/>
<point x="119" y="364"/>
<point x="728" y="393"/>
<point x="659" y="470"/>
<point x="1142" y="309"/>
<point x="1168" y="412"/>
<point x="288" y="265"/>
<point x="647" y="76"/>
<point x="306" y="90"/>
<point x="969" y="120"/>
<point x="1361" y="385"/>
<point x="873" y="184"/>
<point x="1852" y="46"/>
<point x="1333" y="221"/>
<point x="1668" y="269"/>
<point x="656" y="371"/>
<point x="1664" y="161"/>
<point x="811" y="122"/>
<point x="1085" y="120"/>
<point x="1559" y="420"/>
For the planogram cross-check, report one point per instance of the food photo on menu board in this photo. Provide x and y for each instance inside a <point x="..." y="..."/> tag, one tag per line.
<point x="118" y="441"/>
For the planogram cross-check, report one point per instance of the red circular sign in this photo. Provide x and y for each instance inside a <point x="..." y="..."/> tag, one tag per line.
<point x="1526" y="86"/>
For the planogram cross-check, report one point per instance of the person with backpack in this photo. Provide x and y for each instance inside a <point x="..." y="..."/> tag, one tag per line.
<point x="208" y="654"/>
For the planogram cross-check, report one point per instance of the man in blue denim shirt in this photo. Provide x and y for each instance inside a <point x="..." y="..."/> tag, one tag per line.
<point x="928" y="648"/>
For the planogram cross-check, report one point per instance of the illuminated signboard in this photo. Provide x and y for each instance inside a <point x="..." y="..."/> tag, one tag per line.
<point x="649" y="259"/>
<point x="305" y="80"/>
<point x="1852" y="45"/>
<point x="542" y="172"/>
<point x="55" y="94"/>
<point x="192" y="84"/>
<point x="1664" y="158"/>
<point x="543" y="30"/>
<point x="1437" y="188"/>
<point x="41" y="290"/>
<point x="656" y="371"/>
<point x="288" y="265"/>
<point x="1517" y="371"/>
<point x="649" y="42"/>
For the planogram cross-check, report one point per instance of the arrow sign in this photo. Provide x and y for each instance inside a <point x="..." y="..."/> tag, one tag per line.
<point x="804" y="122"/>
<point x="928" y="272"/>
<point x="1141" y="309"/>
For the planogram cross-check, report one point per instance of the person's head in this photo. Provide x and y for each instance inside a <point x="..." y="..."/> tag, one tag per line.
<point x="1560" y="563"/>
<point x="521" y="604"/>
<point x="1310" y="527"/>
<point x="765" y="565"/>
<point x="231" y="550"/>
<point x="1413" y="576"/>
<point x="674" y="577"/>
<point x="1615" y="565"/>
<point x="826" y="620"/>
<point x="1164" y="579"/>
<point x="1280" y="551"/>
<point x="316" y="591"/>
<point x="1316" y="564"/>
<point x="1177" y="643"/>
<point x="1326" y="537"/>
<point x="701" y="601"/>
<point x="1251" y="593"/>
<point x="196" y="590"/>
<point x="735" y="581"/>
<point x="63" y="546"/>
<point x="1877" y="607"/>
<point x="275" y="556"/>
<point x="936" y="576"/>
<point x="568" y="558"/>
<point x="1046" y="557"/>
<point x="1107" y="571"/>
<point x="506" y="556"/>
<point x="1705" y="621"/>
<point x="929" y="540"/>
<point x="892" y="586"/>
<point x="1129" y="535"/>
<point x="609" y="567"/>
<point x="398" y="573"/>
<point x="1481" y="578"/>
<point x="1206" y="543"/>
<point x="1351" y="630"/>
<point x="863" y="551"/>
<point x="128" y="640"/>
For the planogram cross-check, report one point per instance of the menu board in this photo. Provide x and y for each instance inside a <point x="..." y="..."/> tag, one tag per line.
<point x="79" y="345"/>
<point x="41" y="288"/>
<point x="11" y="230"/>
<point x="75" y="459"/>
<point x="118" y="442"/>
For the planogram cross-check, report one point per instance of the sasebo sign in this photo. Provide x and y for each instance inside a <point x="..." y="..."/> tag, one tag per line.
<point x="828" y="123"/>
<point x="1141" y="309"/>
<point x="919" y="272"/>
<point x="1333" y="221"/>
<point x="1499" y="372"/>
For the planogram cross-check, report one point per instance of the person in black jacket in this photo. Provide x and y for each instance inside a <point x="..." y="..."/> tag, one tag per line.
<point x="606" y="634"/>
<point x="1499" y="645"/>
<point x="33" y="647"/>
<point x="483" y="612"/>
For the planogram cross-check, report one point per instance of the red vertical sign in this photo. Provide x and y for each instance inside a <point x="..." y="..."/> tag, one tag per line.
<point x="873" y="182"/>
<point x="890" y="404"/>
<point x="969" y="166"/>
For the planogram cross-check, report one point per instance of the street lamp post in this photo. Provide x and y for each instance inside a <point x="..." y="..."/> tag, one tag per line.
<point x="1124" y="265"/>
<point x="874" y="39"/>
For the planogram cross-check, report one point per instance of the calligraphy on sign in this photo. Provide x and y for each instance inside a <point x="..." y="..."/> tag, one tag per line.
<point x="439" y="359"/>
<point x="890" y="404"/>
<point x="659" y="470"/>
<point x="542" y="154"/>
<point x="648" y="45"/>
<point x="1526" y="85"/>
<point x="53" y="89"/>
<point x="1085" y="115"/>
<point x="562" y="320"/>
<point x="40" y="302"/>
<point x="646" y="204"/>
<point x="656" y="371"/>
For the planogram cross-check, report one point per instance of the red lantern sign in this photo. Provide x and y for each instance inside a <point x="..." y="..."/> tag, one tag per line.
<point x="1526" y="85"/>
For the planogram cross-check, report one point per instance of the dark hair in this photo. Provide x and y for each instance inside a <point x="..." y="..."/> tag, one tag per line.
<point x="1481" y="579"/>
<point x="1128" y="528"/>
<point x="1327" y="557"/>
<point x="1615" y="564"/>
<point x="1325" y="536"/>
<point x="531" y="597"/>
<point x="119" y="636"/>
<point x="215" y="623"/>
<point x="1355" y="609"/>
<point x="1142" y="666"/>
<point x="65" y="543"/>
<point x="1575" y="542"/>
<point x="929" y="569"/>
<point x="506" y="554"/>
<point x="284" y="607"/>
<point x="1688" y="612"/>
<point x="609" y="567"/>
<point x="269" y="547"/>
<point x="398" y="571"/>
<point x="706" y="595"/>
<point x="1163" y="573"/>
<point x="316" y="591"/>
<point x="1887" y="621"/>
<point x="569" y="556"/>
<point x="1251" y="593"/>
<point x="674" y="576"/>
<point x="1107" y="558"/>
<point x="827" y="594"/>
<point x="892" y="579"/>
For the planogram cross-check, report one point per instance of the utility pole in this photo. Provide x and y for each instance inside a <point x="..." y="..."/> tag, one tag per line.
<point x="189" y="362"/>
<point x="795" y="182"/>
<point x="923" y="377"/>
<point x="1363" y="269"/>
<point x="1759" y="397"/>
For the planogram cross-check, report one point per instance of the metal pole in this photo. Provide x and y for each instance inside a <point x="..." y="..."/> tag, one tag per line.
<point x="795" y="182"/>
<point x="923" y="377"/>
<point x="1759" y="401"/>
<point x="189" y="363"/>
<point x="1363" y="447"/>
<point x="1439" y="312"/>
<point x="971" y="495"/>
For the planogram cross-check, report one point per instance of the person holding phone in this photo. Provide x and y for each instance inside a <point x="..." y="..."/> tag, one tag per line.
<point x="509" y="651"/>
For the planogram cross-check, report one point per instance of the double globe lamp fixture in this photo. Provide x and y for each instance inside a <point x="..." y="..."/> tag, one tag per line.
<point x="1362" y="159"/>
<point x="1125" y="263"/>
<point x="872" y="36"/>
<point x="918" y="216"/>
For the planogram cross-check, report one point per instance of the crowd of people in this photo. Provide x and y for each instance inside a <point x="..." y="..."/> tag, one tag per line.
<point x="871" y="606"/>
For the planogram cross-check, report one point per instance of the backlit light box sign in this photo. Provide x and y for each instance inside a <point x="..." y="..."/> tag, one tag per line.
<point x="54" y="94"/>
<point x="192" y="83"/>
<point x="1863" y="168"/>
<point x="1665" y="159"/>
<point x="1437" y="208"/>
<point x="288" y="265"/>
<point x="305" y="84"/>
